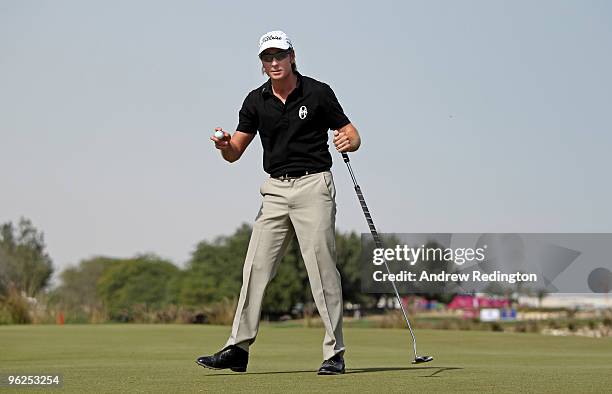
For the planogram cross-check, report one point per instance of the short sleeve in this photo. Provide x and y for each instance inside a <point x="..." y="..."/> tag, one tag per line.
<point x="334" y="113"/>
<point x="247" y="116"/>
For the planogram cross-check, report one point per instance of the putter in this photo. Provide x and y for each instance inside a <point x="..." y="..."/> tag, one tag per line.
<point x="417" y="359"/>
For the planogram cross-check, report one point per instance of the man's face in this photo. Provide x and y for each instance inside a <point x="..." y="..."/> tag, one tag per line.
<point x="277" y="62"/>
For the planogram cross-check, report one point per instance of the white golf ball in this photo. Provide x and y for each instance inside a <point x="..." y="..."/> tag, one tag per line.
<point x="219" y="134"/>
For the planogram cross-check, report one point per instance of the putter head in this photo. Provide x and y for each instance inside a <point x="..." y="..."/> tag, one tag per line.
<point x="422" y="359"/>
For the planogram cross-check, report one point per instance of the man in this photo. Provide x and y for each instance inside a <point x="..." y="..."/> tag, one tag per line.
<point x="292" y="114"/>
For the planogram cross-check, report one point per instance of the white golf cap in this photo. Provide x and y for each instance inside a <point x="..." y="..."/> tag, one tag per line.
<point x="274" y="39"/>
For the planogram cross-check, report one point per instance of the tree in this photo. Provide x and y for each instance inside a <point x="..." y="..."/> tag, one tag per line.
<point x="77" y="294"/>
<point x="348" y="250"/>
<point x="146" y="280"/>
<point x="24" y="264"/>
<point x="214" y="271"/>
<point x="289" y="286"/>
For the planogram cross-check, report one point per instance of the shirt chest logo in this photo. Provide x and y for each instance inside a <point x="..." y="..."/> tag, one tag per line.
<point x="303" y="112"/>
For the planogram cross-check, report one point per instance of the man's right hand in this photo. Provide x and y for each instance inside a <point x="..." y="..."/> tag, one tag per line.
<point x="222" y="143"/>
<point x="232" y="147"/>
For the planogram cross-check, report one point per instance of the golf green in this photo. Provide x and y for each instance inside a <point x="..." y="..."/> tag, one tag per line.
<point x="160" y="358"/>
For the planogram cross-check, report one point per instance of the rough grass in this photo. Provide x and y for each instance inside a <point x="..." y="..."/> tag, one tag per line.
<point x="160" y="358"/>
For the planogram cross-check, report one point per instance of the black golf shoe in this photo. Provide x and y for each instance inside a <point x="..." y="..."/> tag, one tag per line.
<point x="231" y="357"/>
<point x="333" y="366"/>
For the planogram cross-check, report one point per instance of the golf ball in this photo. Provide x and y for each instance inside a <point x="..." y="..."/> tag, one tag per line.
<point x="219" y="134"/>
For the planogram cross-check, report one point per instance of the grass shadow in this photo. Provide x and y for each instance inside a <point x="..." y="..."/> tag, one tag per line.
<point x="436" y="371"/>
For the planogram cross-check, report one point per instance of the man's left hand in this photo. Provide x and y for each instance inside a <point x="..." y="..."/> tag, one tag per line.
<point x="346" y="139"/>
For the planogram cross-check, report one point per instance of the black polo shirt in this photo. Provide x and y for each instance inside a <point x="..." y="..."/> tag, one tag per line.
<point x="293" y="135"/>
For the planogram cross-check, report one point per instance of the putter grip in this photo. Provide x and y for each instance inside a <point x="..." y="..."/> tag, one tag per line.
<point x="366" y="212"/>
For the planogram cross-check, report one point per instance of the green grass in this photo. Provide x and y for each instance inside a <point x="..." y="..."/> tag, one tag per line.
<point x="160" y="358"/>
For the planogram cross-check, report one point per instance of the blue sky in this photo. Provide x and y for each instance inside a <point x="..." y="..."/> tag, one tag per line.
<point x="476" y="116"/>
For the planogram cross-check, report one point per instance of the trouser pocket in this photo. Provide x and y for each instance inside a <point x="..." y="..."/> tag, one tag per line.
<point x="328" y="181"/>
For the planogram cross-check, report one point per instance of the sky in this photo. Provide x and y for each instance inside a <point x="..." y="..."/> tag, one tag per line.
<point x="475" y="116"/>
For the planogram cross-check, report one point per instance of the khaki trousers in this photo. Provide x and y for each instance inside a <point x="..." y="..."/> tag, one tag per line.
<point x="305" y="207"/>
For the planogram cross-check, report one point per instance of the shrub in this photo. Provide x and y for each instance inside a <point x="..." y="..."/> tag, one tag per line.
<point x="14" y="309"/>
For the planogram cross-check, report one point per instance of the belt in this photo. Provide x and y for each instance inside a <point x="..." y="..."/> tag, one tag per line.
<point x="294" y="174"/>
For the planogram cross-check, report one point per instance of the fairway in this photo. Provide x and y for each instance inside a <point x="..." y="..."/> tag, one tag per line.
<point x="160" y="358"/>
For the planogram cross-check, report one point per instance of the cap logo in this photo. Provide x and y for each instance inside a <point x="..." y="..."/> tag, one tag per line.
<point x="303" y="112"/>
<point x="268" y="38"/>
